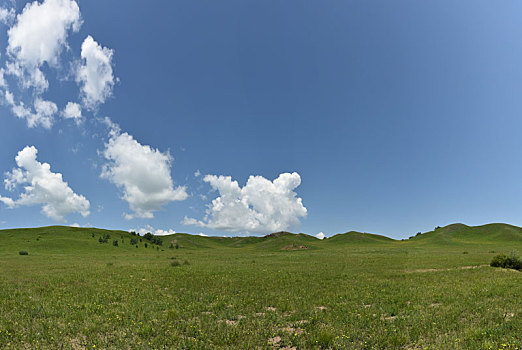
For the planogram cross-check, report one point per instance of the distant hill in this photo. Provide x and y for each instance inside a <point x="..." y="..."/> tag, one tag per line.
<point x="57" y="239"/>
<point x="463" y="234"/>
<point x="273" y="241"/>
<point x="354" y="237"/>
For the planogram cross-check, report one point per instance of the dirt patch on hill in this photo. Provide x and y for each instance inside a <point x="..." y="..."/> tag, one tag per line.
<point x="294" y="247"/>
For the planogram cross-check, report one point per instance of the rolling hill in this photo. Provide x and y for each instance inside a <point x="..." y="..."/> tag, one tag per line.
<point x="57" y="239"/>
<point x="463" y="234"/>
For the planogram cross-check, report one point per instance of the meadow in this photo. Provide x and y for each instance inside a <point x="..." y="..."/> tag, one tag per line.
<point x="351" y="291"/>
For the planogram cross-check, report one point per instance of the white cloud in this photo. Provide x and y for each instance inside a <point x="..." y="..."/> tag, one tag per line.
<point x="202" y="234"/>
<point x="160" y="232"/>
<point x="95" y="73"/>
<point x="75" y="225"/>
<point x="42" y="186"/>
<point x="260" y="206"/>
<point x="155" y="232"/>
<point x="320" y="235"/>
<point x="73" y="111"/>
<point x="42" y="115"/>
<point x="7" y="16"/>
<point x="39" y="36"/>
<point x="197" y="173"/>
<point x="142" y="172"/>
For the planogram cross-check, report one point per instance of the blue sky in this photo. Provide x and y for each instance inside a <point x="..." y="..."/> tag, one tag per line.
<point x="383" y="117"/>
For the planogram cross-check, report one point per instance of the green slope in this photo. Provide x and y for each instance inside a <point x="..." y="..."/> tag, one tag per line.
<point x="354" y="237"/>
<point x="274" y="241"/>
<point x="59" y="240"/>
<point x="62" y="239"/>
<point x="462" y="234"/>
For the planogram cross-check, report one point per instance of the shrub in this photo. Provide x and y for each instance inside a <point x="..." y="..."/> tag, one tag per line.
<point x="507" y="262"/>
<point x="156" y="240"/>
<point x="171" y="246"/>
<point x="115" y="243"/>
<point x="92" y="234"/>
<point x="146" y="245"/>
<point x="175" y="263"/>
<point x="133" y="233"/>
<point x="23" y="252"/>
<point x="104" y="238"/>
<point x="148" y="236"/>
<point x="134" y="241"/>
<point x="186" y="262"/>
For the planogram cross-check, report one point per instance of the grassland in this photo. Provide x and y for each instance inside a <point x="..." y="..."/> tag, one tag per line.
<point x="353" y="291"/>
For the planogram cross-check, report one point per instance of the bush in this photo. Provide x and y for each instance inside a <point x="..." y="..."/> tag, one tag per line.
<point x="146" y="245"/>
<point x="156" y="240"/>
<point x="175" y="263"/>
<point x="115" y="243"/>
<point x="507" y="262"/>
<point x="23" y="252"/>
<point x="134" y="241"/>
<point x="148" y="236"/>
<point x="104" y="238"/>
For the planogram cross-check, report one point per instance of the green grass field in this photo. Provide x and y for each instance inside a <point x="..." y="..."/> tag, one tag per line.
<point x="351" y="291"/>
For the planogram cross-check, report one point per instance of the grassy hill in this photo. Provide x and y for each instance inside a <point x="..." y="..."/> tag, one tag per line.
<point x="56" y="239"/>
<point x="354" y="237"/>
<point x="460" y="234"/>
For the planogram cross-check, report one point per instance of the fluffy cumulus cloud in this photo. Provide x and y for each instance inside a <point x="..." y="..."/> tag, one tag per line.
<point x="260" y="206"/>
<point x="42" y="187"/>
<point x="40" y="115"/>
<point x="155" y="232"/>
<point x="73" y="111"/>
<point x="320" y="235"/>
<point x="95" y="73"/>
<point x="142" y="172"/>
<point x="7" y="15"/>
<point x="38" y="36"/>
